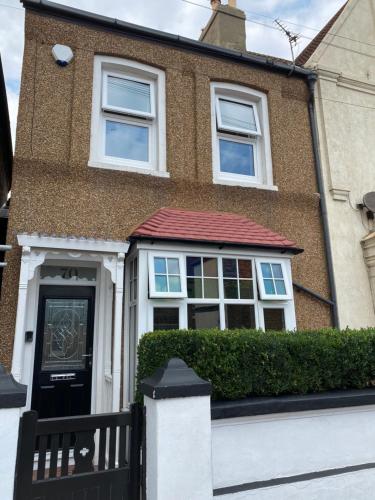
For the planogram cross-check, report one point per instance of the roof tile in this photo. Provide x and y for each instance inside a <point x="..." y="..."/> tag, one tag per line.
<point x="210" y="227"/>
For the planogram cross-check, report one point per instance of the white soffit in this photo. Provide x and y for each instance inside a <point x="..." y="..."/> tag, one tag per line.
<point x="54" y="242"/>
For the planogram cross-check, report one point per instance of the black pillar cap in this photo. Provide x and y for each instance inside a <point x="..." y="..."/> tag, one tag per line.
<point x="175" y="380"/>
<point x="12" y="394"/>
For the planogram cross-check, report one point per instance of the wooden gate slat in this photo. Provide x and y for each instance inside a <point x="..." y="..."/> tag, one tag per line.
<point x="122" y="447"/>
<point x="112" y="447"/>
<point x="53" y="457"/>
<point x="65" y="453"/>
<point x="102" y="448"/>
<point x="42" y="457"/>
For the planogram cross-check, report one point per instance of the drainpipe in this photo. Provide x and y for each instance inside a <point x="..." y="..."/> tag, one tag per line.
<point x="311" y="81"/>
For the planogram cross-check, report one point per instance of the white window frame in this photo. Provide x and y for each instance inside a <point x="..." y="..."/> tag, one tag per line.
<point x="130" y="120"/>
<point x="272" y="297"/>
<point x="285" y="306"/>
<point x="231" y="177"/>
<point x="240" y="130"/>
<point x="263" y="178"/>
<point x="166" y="304"/>
<point x="127" y="111"/>
<point x="151" y="272"/>
<point x="155" y="121"/>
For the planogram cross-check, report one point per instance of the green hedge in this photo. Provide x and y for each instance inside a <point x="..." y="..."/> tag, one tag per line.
<point x="242" y="363"/>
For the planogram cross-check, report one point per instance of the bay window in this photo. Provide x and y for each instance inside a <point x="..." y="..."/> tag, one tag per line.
<point x="219" y="291"/>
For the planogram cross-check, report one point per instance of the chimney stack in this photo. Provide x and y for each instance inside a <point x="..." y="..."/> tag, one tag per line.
<point x="226" y="26"/>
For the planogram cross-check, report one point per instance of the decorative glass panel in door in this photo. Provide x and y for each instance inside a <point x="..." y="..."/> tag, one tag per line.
<point x="65" y="334"/>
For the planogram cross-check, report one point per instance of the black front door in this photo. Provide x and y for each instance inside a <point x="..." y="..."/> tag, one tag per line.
<point x="63" y="351"/>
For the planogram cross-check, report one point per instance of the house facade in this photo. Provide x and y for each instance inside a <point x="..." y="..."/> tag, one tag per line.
<point x="342" y="55"/>
<point x="158" y="182"/>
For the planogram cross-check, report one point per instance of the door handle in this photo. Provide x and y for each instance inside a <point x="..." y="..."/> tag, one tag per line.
<point x="86" y="355"/>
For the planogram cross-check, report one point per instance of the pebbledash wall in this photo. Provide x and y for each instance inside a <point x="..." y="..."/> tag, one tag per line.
<point x="54" y="191"/>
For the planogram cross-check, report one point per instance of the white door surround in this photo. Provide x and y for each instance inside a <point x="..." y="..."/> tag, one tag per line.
<point x="108" y="259"/>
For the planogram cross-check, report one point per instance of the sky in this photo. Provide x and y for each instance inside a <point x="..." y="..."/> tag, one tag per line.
<point x="183" y="17"/>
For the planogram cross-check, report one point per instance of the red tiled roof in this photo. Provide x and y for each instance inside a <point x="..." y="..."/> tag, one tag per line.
<point x="210" y="227"/>
<point x="314" y="44"/>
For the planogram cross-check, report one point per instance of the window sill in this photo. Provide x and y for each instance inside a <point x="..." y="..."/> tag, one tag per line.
<point x="241" y="183"/>
<point x="128" y="168"/>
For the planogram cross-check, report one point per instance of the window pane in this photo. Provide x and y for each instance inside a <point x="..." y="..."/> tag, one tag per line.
<point x="244" y="268"/>
<point x="277" y="271"/>
<point x="269" y="287"/>
<point x="230" y="289"/>
<point x="161" y="283"/>
<point x="129" y="94"/>
<point x="194" y="288"/>
<point x="193" y="266"/>
<point x="235" y="114"/>
<point x="166" y="318"/>
<point x="266" y="270"/>
<point x="123" y="140"/>
<point x="174" y="283"/>
<point x="173" y="266"/>
<point x="274" y="319"/>
<point x="211" y="288"/>
<point x="236" y="158"/>
<point x="229" y="268"/>
<point x="209" y="267"/>
<point x="159" y="265"/>
<point x="280" y="287"/>
<point x="239" y="316"/>
<point x="203" y="316"/>
<point x="246" y="289"/>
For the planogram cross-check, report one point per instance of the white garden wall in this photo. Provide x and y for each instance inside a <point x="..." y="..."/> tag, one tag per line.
<point x="274" y="447"/>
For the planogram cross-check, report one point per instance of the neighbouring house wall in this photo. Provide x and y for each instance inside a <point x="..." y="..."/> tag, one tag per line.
<point x="345" y="103"/>
<point x="54" y="190"/>
<point x="270" y="447"/>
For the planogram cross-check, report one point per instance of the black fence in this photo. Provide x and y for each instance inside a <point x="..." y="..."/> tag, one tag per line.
<point x="93" y="457"/>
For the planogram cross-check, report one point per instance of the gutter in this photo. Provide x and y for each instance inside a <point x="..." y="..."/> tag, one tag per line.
<point x="311" y="81"/>
<point x="219" y="244"/>
<point x="133" y="30"/>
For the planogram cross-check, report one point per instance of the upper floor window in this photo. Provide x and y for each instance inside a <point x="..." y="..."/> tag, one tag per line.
<point x="240" y="136"/>
<point x="128" y="117"/>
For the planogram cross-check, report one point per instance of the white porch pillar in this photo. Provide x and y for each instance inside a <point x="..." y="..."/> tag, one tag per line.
<point x="116" y="266"/>
<point x="178" y="434"/>
<point x="30" y="260"/>
<point x="368" y="246"/>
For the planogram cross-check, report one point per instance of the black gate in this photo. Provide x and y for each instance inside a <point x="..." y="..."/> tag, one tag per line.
<point x="93" y="457"/>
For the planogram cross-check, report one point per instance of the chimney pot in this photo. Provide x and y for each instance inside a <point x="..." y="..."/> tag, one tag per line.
<point x="232" y="3"/>
<point x="215" y="4"/>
